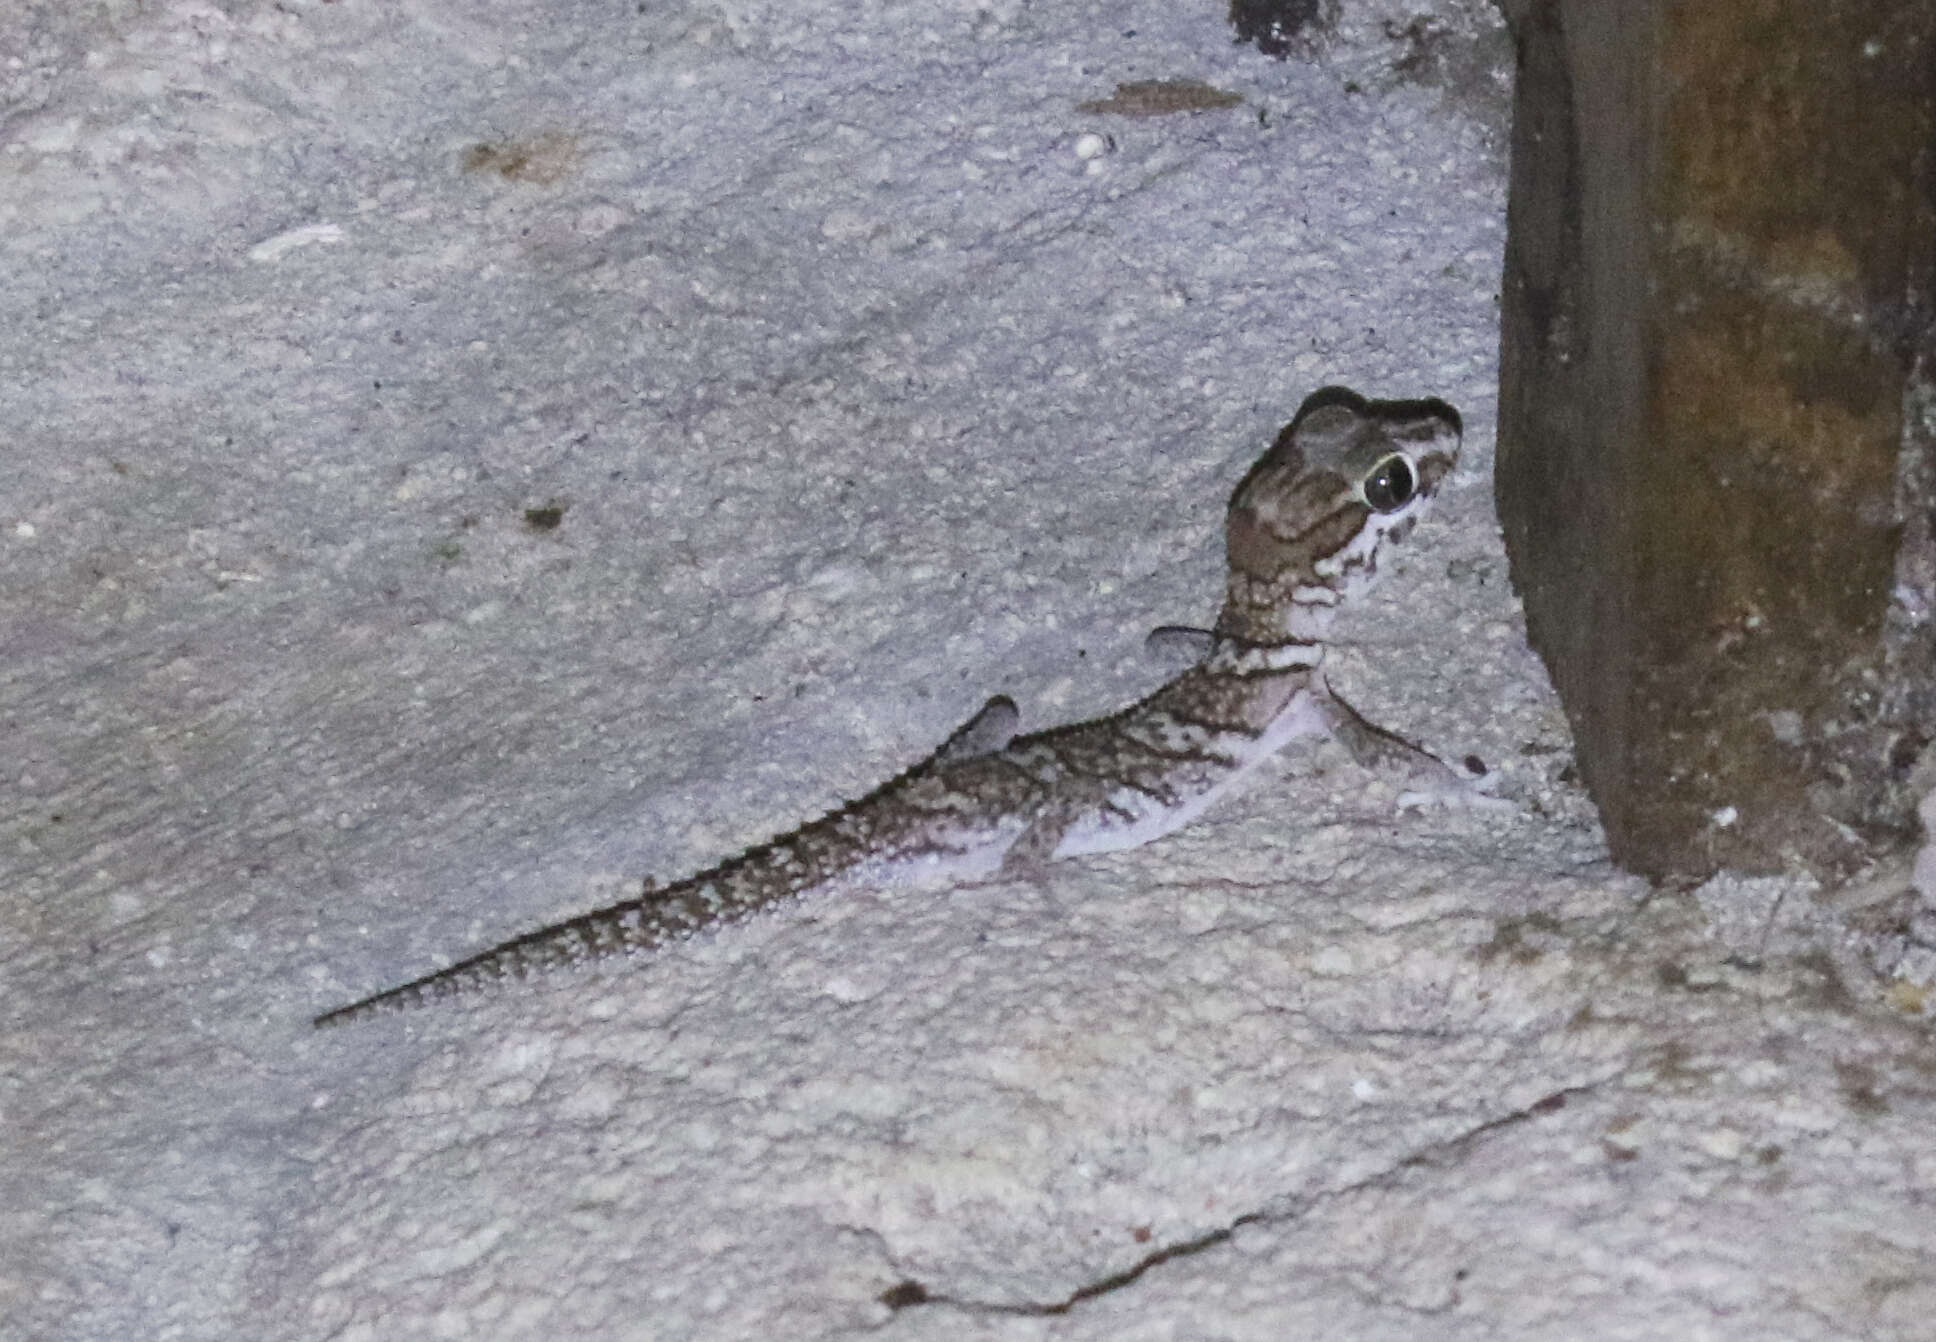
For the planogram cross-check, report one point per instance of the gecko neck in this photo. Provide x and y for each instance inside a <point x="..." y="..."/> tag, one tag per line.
<point x="1265" y="615"/>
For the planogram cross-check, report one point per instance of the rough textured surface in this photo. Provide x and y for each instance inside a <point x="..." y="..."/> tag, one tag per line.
<point x="1721" y="230"/>
<point x="465" y="457"/>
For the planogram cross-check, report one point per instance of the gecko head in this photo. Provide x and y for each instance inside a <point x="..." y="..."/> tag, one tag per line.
<point x="1346" y="478"/>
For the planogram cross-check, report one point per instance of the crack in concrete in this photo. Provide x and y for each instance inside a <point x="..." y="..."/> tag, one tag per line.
<point x="909" y="1293"/>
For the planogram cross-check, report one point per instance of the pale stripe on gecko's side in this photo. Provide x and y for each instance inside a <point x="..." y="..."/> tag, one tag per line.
<point x="1304" y="534"/>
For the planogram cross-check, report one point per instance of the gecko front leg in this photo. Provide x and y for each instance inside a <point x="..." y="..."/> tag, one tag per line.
<point x="1175" y="646"/>
<point x="1429" y="780"/>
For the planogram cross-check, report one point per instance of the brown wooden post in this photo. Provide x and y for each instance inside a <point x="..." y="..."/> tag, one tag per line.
<point x="1718" y="276"/>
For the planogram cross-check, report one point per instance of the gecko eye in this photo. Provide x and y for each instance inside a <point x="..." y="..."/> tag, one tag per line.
<point x="1390" y="484"/>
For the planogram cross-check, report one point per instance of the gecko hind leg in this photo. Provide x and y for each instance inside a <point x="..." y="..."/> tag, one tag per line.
<point x="1028" y="859"/>
<point x="990" y="730"/>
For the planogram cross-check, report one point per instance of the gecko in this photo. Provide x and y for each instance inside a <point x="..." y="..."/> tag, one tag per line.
<point x="1304" y="533"/>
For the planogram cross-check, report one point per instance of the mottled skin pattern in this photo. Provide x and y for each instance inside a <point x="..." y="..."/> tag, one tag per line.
<point x="1304" y="533"/>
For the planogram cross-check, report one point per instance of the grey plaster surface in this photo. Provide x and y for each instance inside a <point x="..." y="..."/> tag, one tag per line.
<point x="462" y="458"/>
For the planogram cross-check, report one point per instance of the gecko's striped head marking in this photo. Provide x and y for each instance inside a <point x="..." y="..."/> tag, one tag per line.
<point x="1345" y="478"/>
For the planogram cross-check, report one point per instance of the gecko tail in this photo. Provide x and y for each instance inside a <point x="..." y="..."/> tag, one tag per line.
<point x="451" y="982"/>
<point x="501" y="964"/>
<point x="657" y="916"/>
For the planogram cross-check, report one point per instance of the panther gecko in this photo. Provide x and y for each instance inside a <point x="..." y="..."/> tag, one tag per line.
<point x="1305" y="531"/>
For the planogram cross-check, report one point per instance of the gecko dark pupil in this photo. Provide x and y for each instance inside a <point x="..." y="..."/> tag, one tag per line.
<point x="1390" y="485"/>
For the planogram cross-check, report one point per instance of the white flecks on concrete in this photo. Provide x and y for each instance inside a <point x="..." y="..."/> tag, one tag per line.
<point x="275" y="248"/>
